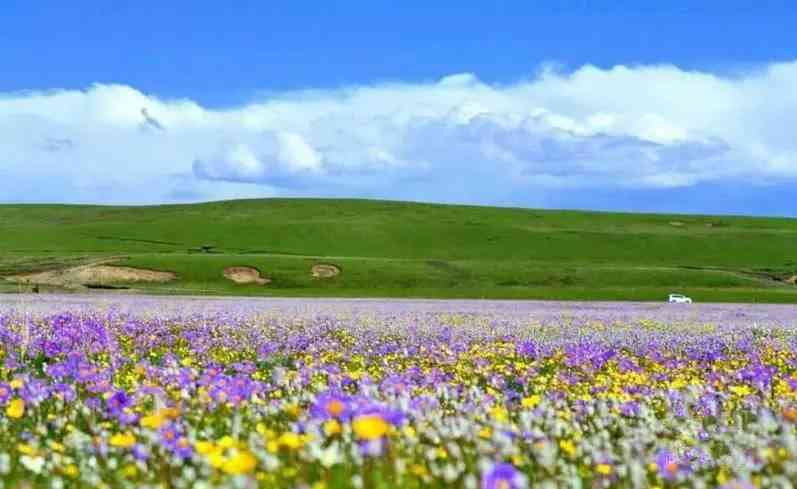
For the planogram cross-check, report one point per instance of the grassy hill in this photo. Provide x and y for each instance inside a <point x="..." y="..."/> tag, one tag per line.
<point x="397" y="249"/>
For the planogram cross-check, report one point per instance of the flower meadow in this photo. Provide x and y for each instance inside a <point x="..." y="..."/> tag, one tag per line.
<point x="136" y="392"/>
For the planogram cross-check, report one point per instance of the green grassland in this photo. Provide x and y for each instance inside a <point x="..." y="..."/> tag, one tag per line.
<point x="397" y="249"/>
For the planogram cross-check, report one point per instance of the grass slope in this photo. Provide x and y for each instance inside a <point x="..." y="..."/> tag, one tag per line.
<point x="397" y="249"/>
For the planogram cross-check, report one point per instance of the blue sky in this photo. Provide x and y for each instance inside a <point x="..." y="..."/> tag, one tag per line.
<point x="477" y="102"/>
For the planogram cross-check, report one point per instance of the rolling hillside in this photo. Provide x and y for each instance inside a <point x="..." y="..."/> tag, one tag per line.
<point x="396" y="249"/>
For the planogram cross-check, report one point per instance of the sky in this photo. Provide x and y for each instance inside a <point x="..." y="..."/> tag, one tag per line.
<point x="630" y="106"/>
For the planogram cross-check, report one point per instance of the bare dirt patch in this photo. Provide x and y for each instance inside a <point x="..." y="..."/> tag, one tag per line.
<point x="677" y="223"/>
<point x="245" y="275"/>
<point x="792" y="280"/>
<point x="325" y="270"/>
<point x="93" y="275"/>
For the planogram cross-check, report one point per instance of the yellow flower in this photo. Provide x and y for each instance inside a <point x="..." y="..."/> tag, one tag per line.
<point x="603" y="469"/>
<point x="485" y="432"/>
<point x="130" y="471"/>
<point x="153" y="421"/>
<point x="26" y="449"/>
<point x="419" y="470"/>
<point x="71" y="470"/>
<point x="531" y="401"/>
<point x="331" y="427"/>
<point x="290" y="440"/>
<point x="293" y="410"/>
<point x="55" y="446"/>
<point x="678" y="383"/>
<point x="499" y="413"/>
<point x="242" y="462"/>
<point x="227" y="442"/>
<point x="369" y="427"/>
<point x="15" y="409"/>
<point x="263" y="430"/>
<point x="204" y="447"/>
<point x="123" y="440"/>
<point x="16" y="384"/>
<point x="568" y="447"/>
<point x="217" y="459"/>
<point x="741" y="390"/>
<point x="170" y="412"/>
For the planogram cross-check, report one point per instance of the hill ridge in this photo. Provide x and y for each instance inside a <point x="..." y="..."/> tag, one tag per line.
<point x="385" y="248"/>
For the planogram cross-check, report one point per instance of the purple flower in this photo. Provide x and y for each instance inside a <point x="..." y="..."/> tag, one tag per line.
<point x="667" y="464"/>
<point x="182" y="448"/>
<point x="117" y="402"/>
<point x="140" y="452"/>
<point x="503" y="476"/>
<point x="527" y="349"/>
<point x="630" y="408"/>
<point x="34" y="391"/>
<point x="392" y="416"/>
<point x="127" y="417"/>
<point x="265" y="350"/>
<point x="169" y="435"/>
<point x="93" y="403"/>
<point x="332" y="405"/>
<point x="58" y="370"/>
<point x="5" y="392"/>
<point x="63" y="391"/>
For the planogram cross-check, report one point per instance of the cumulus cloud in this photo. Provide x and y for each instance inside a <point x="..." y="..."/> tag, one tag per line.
<point x="281" y="158"/>
<point x="455" y="139"/>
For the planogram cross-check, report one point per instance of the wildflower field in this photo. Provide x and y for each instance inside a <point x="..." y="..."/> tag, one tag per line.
<point x="126" y="392"/>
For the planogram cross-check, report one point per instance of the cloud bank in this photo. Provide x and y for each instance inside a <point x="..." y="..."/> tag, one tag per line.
<point x="455" y="139"/>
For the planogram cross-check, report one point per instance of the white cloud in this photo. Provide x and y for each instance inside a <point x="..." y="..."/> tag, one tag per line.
<point x="267" y="157"/>
<point x="455" y="139"/>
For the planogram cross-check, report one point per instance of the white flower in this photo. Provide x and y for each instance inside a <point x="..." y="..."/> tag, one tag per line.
<point x="332" y="455"/>
<point x="34" y="464"/>
<point x="5" y="463"/>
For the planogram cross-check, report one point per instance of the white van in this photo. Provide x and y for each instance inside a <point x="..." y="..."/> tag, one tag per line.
<point x="679" y="299"/>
